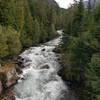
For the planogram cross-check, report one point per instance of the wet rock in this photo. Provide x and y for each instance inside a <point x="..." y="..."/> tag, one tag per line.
<point x="22" y="78"/>
<point x="57" y="50"/>
<point x="44" y="67"/>
<point x="21" y="65"/>
<point x="20" y="62"/>
<point x="27" y="60"/>
<point x="12" y="81"/>
<point x="36" y="54"/>
<point x="20" y="59"/>
<point x="19" y="70"/>
<point x="43" y="49"/>
<point x="1" y="87"/>
<point x="8" y="75"/>
<point x="59" y="59"/>
<point x="0" y="65"/>
<point x="27" y="64"/>
<point x="9" y="95"/>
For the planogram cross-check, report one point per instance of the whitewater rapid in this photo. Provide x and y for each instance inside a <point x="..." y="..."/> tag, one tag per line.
<point x="40" y="79"/>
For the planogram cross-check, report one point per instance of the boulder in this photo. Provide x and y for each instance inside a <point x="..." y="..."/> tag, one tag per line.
<point x="57" y="50"/>
<point x="8" y="75"/>
<point x="1" y="87"/>
<point x="21" y="65"/>
<point x="44" y="67"/>
<point x="8" y="78"/>
<point x="12" y="81"/>
<point x="19" y="70"/>
<point x="43" y="49"/>
<point x="36" y="54"/>
<point x="11" y="95"/>
<point x="8" y="95"/>
<point x="20" y="59"/>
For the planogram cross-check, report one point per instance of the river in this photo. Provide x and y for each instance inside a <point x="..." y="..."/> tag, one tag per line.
<point x="40" y="79"/>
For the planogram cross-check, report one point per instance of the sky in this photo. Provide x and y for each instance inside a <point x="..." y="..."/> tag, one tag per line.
<point x="64" y="3"/>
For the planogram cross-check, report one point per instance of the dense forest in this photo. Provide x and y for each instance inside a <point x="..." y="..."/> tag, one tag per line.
<point x="24" y="23"/>
<point x="81" y="50"/>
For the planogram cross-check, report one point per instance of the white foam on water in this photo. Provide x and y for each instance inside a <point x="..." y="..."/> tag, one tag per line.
<point x="40" y="83"/>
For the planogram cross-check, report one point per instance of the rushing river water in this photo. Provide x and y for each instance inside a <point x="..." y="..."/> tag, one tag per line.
<point x="41" y="81"/>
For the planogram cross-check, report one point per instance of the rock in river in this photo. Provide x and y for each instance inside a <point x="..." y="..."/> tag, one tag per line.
<point x="8" y="76"/>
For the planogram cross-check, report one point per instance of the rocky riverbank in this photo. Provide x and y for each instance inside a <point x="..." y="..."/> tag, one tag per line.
<point x="9" y="76"/>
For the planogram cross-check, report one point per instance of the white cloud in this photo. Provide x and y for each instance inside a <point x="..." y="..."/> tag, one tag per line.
<point x="64" y="3"/>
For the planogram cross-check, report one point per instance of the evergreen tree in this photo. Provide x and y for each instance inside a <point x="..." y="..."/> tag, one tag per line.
<point x="13" y="41"/>
<point x="3" y="43"/>
<point x="3" y="12"/>
<point x="37" y="32"/>
<point x="26" y="23"/>
<point x="81" y="50"/>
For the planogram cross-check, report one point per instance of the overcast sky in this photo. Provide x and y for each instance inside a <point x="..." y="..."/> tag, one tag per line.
<point x="64" y="3"/>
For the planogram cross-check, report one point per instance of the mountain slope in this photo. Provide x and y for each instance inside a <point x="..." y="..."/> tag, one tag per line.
<point x="32" y="21"/>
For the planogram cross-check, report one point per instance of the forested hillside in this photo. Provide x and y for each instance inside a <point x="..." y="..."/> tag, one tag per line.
<point x="81" y="50"/>
<point x="24" y="23"/>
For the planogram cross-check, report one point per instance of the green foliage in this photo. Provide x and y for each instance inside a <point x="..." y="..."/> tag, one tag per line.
<point x="74" y="24"/>
<point x="9" y="41"/>
<point x="81" y="51"/>
<point x="93" y="74"/>
<point x="97" y="13"/>
<point x="13" y="41"/>
<point x="26" y="23"/>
